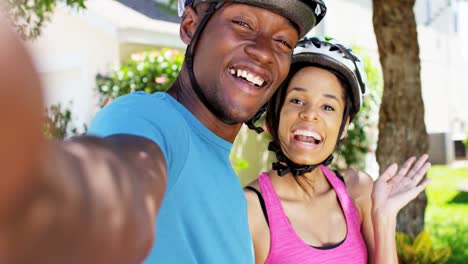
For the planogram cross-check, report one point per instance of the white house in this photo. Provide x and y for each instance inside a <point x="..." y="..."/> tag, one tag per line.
<point x="75" y="46"/>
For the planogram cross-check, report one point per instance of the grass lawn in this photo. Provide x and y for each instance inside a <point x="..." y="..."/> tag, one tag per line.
<point x="447" y="210"/>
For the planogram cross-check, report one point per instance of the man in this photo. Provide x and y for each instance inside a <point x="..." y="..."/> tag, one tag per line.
<point x="171" y="145"/>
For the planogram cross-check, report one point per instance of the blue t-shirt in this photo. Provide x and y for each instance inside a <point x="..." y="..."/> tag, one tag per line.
<point x="203" y="217"/>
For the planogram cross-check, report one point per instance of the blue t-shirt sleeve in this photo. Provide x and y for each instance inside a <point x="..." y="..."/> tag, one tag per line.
<point x="148" y="116"/>
<point x="118" y="118"/>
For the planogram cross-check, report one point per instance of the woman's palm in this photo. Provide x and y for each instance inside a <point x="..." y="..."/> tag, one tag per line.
<point x="396" y="188"/>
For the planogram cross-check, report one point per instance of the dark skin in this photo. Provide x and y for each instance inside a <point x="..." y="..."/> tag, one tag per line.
<point x="95" y="200"/>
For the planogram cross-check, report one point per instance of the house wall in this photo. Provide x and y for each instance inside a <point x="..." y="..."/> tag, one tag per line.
<point x="69" y="53"/>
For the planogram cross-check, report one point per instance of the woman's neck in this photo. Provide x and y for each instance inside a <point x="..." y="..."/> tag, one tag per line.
<point x="302" y="187"/>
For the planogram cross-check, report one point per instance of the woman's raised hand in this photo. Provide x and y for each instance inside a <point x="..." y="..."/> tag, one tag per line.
<point x="395" y="188"/>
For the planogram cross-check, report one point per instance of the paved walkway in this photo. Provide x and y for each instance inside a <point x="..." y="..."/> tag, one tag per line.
<point x="459" y="164"/>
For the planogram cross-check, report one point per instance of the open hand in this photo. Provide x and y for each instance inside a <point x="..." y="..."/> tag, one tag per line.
<point x="396" y="188"/>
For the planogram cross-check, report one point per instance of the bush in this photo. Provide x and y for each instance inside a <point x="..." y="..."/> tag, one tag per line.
<point x="58" y="122"/>
<point x="150" y="71"/>
<point x="420" y="250"/>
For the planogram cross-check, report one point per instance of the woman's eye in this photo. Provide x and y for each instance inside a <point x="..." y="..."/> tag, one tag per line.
<point x="328" y="108"/>
<point x="297" y="101"/>
<point x="242" y="23"/>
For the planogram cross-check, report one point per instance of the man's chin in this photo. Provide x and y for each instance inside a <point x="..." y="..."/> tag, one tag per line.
<point x="235" y="119"/>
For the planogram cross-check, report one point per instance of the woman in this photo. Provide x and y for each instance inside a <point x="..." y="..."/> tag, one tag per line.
<point x="301" y="212"/>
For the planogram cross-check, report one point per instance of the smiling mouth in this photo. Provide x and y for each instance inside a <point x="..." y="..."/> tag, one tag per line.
<point x="248" y="77"/>
<point x="308" y="137"/>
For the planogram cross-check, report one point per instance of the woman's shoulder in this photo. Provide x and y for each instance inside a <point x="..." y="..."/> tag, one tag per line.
<point x="251" y="192"/>
<point x="357" y="182"/>
<point x="359" y="186"/>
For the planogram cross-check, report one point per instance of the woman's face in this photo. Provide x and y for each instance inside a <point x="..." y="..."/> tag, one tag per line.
<point x="311" y="116"/>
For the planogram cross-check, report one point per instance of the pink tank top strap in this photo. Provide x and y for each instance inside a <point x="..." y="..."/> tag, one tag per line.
<point x="347" y="204"/>
<point x="277" y="219"/>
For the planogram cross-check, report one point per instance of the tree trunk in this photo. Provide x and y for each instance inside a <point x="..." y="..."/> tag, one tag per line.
<point x="402" y="131"/>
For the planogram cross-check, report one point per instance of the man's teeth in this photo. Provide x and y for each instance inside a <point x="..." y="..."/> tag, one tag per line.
<point x="256" y="80"/>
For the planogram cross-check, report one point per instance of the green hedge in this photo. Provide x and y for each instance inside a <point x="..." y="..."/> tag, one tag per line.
<point x="150" y="71"/>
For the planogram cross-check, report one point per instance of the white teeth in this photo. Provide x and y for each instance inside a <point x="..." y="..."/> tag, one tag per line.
<point x="256" y="80"/>
<point x="259" y="81"/>
<point x="250" y="78"/>
<point x="307" y="133"/>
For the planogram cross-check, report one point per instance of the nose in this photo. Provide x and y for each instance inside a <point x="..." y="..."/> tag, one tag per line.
<point x="261" y="49"/>
<point x="308" y="113"/>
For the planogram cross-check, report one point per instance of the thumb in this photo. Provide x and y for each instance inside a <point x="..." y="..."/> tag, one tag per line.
<point x="21" y="116"/>
<point x="389" y="172"/>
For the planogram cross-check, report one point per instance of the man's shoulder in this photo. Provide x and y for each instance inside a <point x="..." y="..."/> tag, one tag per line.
<point x="139" y="102"/>
<point x="138" y="113"/>
<point x="153" y="108"/>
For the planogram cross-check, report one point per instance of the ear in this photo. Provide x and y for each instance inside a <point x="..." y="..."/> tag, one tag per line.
<point x="345" y="130"/>
<point x="189" y="24"/>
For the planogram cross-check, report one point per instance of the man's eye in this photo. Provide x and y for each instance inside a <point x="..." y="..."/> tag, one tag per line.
<point x="242" y="23"/>
<point x="285" y="43"/>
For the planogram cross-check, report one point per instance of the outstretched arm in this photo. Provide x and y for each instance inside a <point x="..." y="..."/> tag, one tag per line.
<point x="86" y="200"/>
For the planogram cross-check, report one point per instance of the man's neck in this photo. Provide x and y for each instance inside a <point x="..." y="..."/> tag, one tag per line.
<point x="183" y="92"/>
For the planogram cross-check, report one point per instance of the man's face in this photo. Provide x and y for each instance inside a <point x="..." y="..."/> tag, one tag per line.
<point x="242" y="56"/>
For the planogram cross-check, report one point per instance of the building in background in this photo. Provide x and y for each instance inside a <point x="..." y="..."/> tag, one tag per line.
<point x="77" y="45"/>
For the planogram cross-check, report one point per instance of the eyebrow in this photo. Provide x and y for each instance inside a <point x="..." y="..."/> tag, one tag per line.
<point x="301" y="89"/>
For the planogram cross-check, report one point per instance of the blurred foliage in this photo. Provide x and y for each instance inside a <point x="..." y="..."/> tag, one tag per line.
<point x="420" y="250"/>
<point x="362" y="135"/>
<point x="58" y="122"/>
<point x="447" y="210"/>
<point x="29" y="16"/>
<point x="150" y="71"/>
<point x="238" y="163"/>
<point x="169" y="8"/>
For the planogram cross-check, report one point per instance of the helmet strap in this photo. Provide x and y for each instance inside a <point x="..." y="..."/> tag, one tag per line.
<point x="189" y="57"/>
<point x="251" y="123"/>
<point x="284" y="165"/>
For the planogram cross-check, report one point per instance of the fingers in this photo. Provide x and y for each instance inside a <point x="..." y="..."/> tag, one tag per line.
<point x="416" y="178"/>
<point x="418" y="165"/>
<point x="389" y="172"/>
<point x="415" y="191"/>
<point x="404" y="169"/>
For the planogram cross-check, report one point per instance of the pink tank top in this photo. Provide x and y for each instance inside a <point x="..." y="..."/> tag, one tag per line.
<point x="287" y="247"/>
